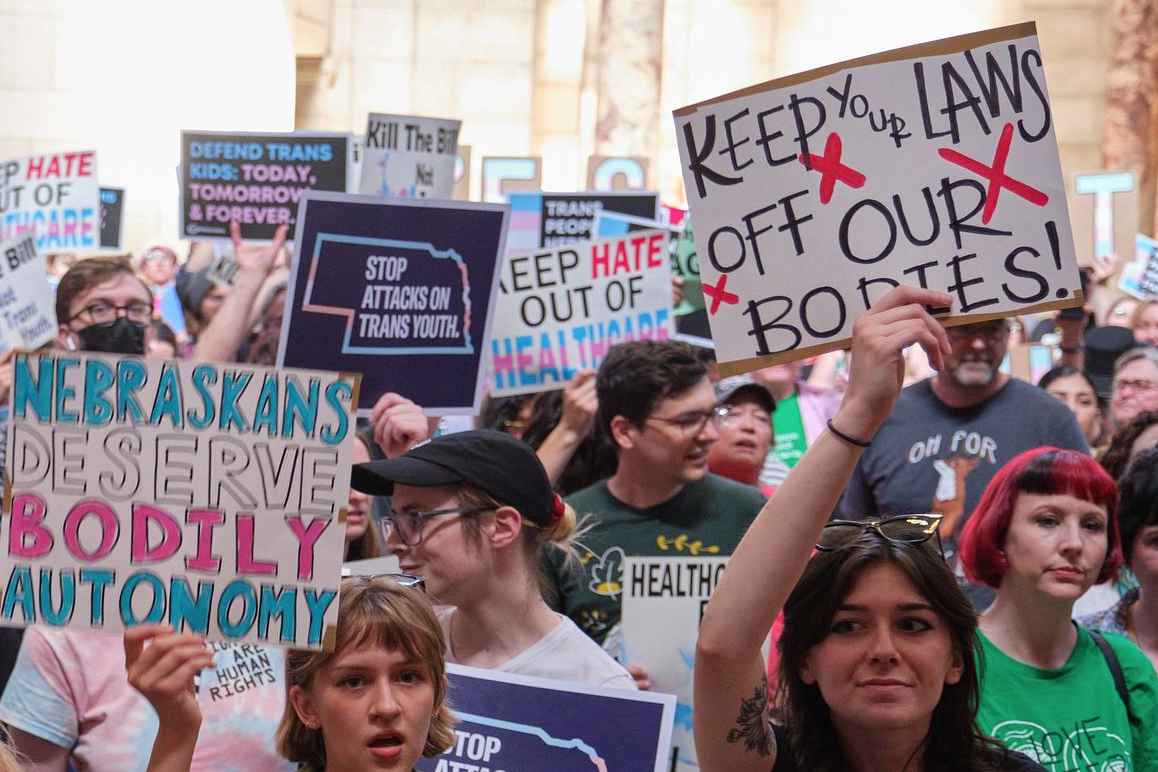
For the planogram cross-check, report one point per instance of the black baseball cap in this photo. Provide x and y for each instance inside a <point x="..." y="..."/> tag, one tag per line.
<point x="492" y="461"/>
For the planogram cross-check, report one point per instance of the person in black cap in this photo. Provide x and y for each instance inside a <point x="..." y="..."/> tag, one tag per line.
<point x="473" y="513"/>
<point x="745" y="410"/>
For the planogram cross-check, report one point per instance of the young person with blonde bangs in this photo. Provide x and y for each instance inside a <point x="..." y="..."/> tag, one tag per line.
<point x="877" y="668"/>
<point x="473" y="513"/>
<point x="1044" y="532"/>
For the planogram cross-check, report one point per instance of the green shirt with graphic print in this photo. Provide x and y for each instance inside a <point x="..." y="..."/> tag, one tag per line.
<point x="707" y="518"/>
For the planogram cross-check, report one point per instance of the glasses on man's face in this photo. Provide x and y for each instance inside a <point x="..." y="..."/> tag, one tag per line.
<point x="693" y="422"/>
<point x="990" y="333"/>
<point x="106" y="313"/>
<point x="406" y="580"/>
<point x="409" y="525"/>
<point x="902" y="529"/>
<point x="1140" y="386"/>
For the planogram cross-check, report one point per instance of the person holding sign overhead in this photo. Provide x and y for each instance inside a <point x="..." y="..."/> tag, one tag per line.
<point x="877" y="655"/>
<point x="473" y="513"/>
<point x="69" y="703"/>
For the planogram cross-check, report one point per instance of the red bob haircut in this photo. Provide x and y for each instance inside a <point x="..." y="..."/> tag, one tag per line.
<point x="1046" y="471"/>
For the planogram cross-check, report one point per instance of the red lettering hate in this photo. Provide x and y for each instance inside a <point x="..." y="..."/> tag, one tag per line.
<point x="61" y="165"/>
<point x="631" y="255"/>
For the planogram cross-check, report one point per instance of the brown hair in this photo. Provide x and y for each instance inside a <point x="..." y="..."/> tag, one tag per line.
<point x="86" y="274"/>
<point x="375" y="612"/>
<point x="369" y="544"/>
<point x="954" y="742"/>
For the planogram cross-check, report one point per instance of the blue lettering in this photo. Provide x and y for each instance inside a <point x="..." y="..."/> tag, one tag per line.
<point x="98" y="378"/>
<point x="203" y="374"/>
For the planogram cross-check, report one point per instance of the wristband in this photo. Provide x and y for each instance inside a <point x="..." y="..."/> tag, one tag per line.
<point x="847" y="438"/>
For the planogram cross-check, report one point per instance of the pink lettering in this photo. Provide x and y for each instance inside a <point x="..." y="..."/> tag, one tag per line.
<point x="27" y="537"/>
<point x="307" y="538"/>
<point x="246" y="563"/>
<point x="170" y="540"/>
<point x="204" y="559"/>
<point x="110" y="529"/>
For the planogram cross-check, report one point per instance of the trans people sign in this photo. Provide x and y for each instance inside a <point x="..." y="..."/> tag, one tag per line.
<point x="934" y="165"/>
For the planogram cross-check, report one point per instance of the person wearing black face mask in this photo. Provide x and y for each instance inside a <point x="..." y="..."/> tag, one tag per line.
<point x="103" y="306"/>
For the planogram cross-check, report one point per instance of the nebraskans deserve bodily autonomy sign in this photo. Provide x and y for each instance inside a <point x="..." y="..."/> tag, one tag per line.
<point x="401" y="291"/>
<point x="561" y="310"/>
<point x="208" y="496"/>
<point x="255" y="179"/>
<point x="515" y="723"/>
<point x="934" y="165"/>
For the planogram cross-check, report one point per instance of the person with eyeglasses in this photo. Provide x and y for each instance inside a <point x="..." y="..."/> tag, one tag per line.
<point x="1135" y="385"/>
<point x="948" y="435"/>
<point x="68" y="702"/>
<point x="744" y="408"/>
<point x="102" y="305"/>
<point x="473" y="513"/>
<point x="658" y="406"/>
<point x="877" y="668"/>
<point x="1045" y="531"/>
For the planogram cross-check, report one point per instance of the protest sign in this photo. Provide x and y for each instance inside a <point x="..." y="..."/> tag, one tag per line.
<point x="663" y="600"/>
<point x="509" y="723"/>
<point x="1140" y="276"/>
<point x="112" y="217"/>
<point x="407" y="156"/>
<point x="54" y="197"/>
<point x="691" y="318"/>
<point x="554" y="219"/>
<point x="616" y="173"/>
<point x="1104" y="216"/>
<point x="136" y="490"/>
<point x="256" y="179"/>
<point x="402" y="291"/>
<point x="27" y="300"/>
<point x="561" y="310"/>
<point x="934" y="165"/>
<point x="503" y="176"/>
<point x="1030" y="362"/>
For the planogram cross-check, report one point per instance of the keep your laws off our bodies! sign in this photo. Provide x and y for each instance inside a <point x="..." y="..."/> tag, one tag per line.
<point x="208" y="496"/>
<point x="934" y="165"/>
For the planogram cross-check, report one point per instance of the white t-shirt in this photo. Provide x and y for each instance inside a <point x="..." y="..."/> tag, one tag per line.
<point x="564" y="654"/>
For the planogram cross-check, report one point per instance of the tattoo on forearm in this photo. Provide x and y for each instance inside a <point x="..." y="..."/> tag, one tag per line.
<point x="754" y="725"/>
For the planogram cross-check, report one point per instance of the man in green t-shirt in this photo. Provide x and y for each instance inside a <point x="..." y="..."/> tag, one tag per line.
<point x="659" y="409"/>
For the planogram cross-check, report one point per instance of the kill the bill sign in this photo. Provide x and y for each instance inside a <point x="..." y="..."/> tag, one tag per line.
<point x="934" y="165"/>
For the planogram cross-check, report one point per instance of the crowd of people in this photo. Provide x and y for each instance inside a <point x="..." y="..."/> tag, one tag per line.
<point x="959" y="568"/>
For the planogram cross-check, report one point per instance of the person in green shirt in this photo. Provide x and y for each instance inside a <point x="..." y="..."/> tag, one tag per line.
<point x="1045" y="531"/>
<point x="659" y="409"/>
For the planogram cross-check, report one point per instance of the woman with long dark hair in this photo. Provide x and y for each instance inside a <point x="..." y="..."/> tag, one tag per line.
<point x="877" y="653"/>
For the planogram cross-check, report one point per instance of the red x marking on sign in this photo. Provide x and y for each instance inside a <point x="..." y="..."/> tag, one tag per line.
<point x="719" y="294"/>
<point x="996" y="175"/>
<point x="831" y="169"/>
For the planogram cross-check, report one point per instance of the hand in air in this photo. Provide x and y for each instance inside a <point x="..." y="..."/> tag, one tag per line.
<point x="580" y="403"/>
<point x="161" y="665"/>
<point x="257" y="258"/>
<point x="399" y="424"/>
<point x="879" y="339"/>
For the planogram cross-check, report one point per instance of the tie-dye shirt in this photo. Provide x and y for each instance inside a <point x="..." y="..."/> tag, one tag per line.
<point x="70" y="689"/>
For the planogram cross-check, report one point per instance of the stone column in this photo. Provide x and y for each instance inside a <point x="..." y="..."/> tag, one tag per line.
<point x="631" y="64"/>
<point x="1131" y="103"/>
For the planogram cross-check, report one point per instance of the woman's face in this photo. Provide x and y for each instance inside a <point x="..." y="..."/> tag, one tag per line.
<point x="450" y="564"/>
<point x="1056" y="545"/>
<point x="358" y="505"/>
<point x="1079" y="397"/>
<point x="1146" y="326"/>
<point x="1144" y="560"/>
<point x="374" y="707"/>
<point x="887" y="657"/>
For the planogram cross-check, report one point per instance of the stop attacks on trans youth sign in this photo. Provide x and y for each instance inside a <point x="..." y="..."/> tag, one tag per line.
<point x="934" y="165"/>
<point x="399" y="290"/>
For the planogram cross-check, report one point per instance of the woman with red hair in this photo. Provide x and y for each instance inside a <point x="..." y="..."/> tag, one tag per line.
<point x="1045" y="531"/>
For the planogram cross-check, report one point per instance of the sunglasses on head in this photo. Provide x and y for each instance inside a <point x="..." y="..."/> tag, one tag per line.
<point x="406" y="580"/>
<point x="902" y="529"/>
